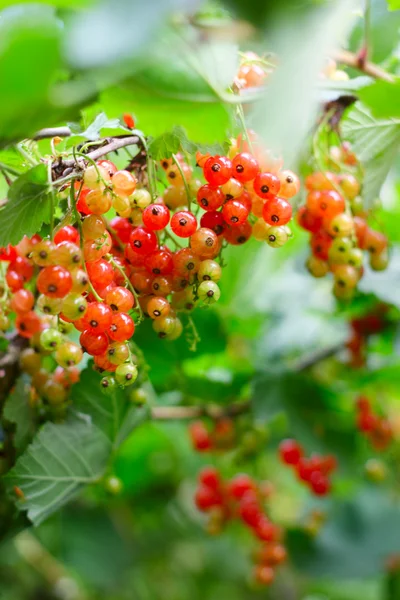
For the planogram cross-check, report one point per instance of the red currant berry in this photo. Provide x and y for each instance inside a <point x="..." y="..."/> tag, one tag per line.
<point x="94" y="343"/>
<point x="238" y="235"/>
<point x="98" y="317"/>
<point x="210" y="477"/>
<point x="156" y="217"/>
<point x="55" y="282"/>
<point x="120" y="299"/>
<point x="183" y="223"/>
<point x="159" y="262"/>
<point x="320" y="484"/>
<point x="143" y="241"/>
<point x="66" y="234"/>
<point x="122" y="327"/>
<point x="290" y="452"/>
<point x="213" y="220"/>
<point x="217" y="170"/>
<point x="235" y="213"/>
<point x="206" y="497"/>
<point x="266" y="185"/>
<point x="245" y="167"/>
<point x="210" y="198"/>
<point x="240" y="485"/>
<point x="28" y="324"/>
<point x="22" y="301"/>
<point x="200" y="436"/>
<point x="277" y="211"/>
<point x="122" y="227"/>
<point x="100" y="272"/>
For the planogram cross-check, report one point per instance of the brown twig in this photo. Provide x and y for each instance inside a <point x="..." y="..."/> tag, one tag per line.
<point x="50" y="132"/>
<point x="305" y="362"/>
<point x="165" y="413"/>
<point x="352" y="60"/>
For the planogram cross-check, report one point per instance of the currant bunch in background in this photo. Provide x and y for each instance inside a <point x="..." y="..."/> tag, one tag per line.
<point x="221" y="436"/>
<point x="314" y="470"/>
<point x="340" y="235"/>
<point x="376" y="428"/>
<point x="244" y="499"/>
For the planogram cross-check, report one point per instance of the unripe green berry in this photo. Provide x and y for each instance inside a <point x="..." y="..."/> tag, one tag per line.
<point x="126" y="374"/>
<point x="51" y="339"/>
<point x="208" y="292"/>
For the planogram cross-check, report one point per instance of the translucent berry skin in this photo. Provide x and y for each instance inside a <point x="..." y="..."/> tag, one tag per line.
<point x="23" y="267"/>
<point x="126" y="374"/>
<point x="159" y="262"/>
<point x="14" y="281"/>
<point x="326" y="203"/>
<point x="98" y="317"/>
<point x="143" y="241"/>
<point x="290" y="184"/>
<point x="238" y="235"/>
<point x="200" y="436"/>
<point x="210" y="477"/>
<point x="217" y="170"/>
<point x="28" y="324"/>
<point x="185" y="262"/>
<point x="68" y="233"/>
<point x="204" y="242"/>
<point x="235" y="213"/>
<point x="100" y="272"/>
<point x="266" y="185"/>
<point x="249" y="509"/>
<point x="120" y="299"/>
<point x="123" y="182"/>
<point x="240" y="485"/>
<point x="158" y="307"/>
<point x="94" y="343"/>
<point x="245" y="167"/>
<point x="206" y="497"/>
<point x="122" y="327"/>
<point x="277" y="211"/>
<point x="22" y="301"/>
<point x="122" y="227"/>
<point x="98" y="202"/>
<point x="264" y="574"/>
<point x="320" y="244"/>
<point x="320" y="484"/>
<point x="156" y="217"/>
<point x="184" y="224"/>
<point x="55" y="282"/>
<point x="210" y="198"/>
<point x="290" y="452"/>
<point x="308" y="221"/>
<point x="215" y="221"/>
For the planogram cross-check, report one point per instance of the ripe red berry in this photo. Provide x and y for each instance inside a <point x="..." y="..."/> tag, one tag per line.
<point x="206" y="497"/>
<point x="245" y="167"/>
<point x="200" y="436"/>
<point x="217" y="170"/>
<point x="210" y="477"/>
<point x="28" y="324"/>
<point x="290" y="452"/>
<point x="240" y="484"/>
<point x="266" y="185"/>
<point x="277" y="211"/>
<point x="100" y="272"/>
<point x="55" y="282"/>
<point x="210" y="198"/>
<point x="213" y="220"/>
<point x="249" y="509"/>
<point x="308" y="221"/>
<point x="94" y="343"/>
<point x="183" y="223"/>
<point x="265" y="530"/>
<point x="129" y="120"/>
<point x="143" y="241"/>
<point x="320" y="484"/>
<point x="159" y="262"/>
<point x="326" y="204"/>
<point x="68" y="233"/>
<point x="120" y="299"/>
<point x="121" y="328"/>
<point x="156" y="217"/>
<point x="235" y="213"/>
<point x="98" y="317"/>
<point x="123" y="228"/>
<point x="238" y="235"/>
<point x="22" y="301"/>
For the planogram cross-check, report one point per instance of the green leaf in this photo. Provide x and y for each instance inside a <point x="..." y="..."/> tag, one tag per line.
<point x="376" y="142"/>
<point x="93" y="131"/>
<point x="164" y="146"/>
<point x="30" y="36"/>
<point x="18" y="411"/>
<point x="356" y="540"/>
<point x="54" y="468"/>
<point x="383" y="98"/>
<point x="113" y="414"/>
<point x="393" y="4"/>
<point x="28" y="206"/>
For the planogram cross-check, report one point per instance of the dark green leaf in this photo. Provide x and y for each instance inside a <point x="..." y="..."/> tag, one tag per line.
<point x="18" y="411"/>
<point x="28" y="206"/>
<point x="59" y="462"/>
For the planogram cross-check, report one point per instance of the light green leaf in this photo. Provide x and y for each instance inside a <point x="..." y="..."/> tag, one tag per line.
<point x="376" y="142"/>
<point x="93" y="132"/>
<point x="393" y="4"/>
<point x="28" y="206"/>
<point x="164" y="146"/>
<point x="17" y="410"/>
<point x="383" y="98"/>
<point x="60" y="461"/>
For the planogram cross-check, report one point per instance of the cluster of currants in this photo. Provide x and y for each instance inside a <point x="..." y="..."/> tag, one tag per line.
<point x="221" y="437"/>
<point x="314" y="470"/>
<point x="242" y="498"/>
<point x="253" y="72"/>
<point x="377" y="429"/>
<point x="334" y="215"/>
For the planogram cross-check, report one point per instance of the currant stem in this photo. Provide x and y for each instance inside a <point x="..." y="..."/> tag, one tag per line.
<point x="79" y="225"/>
<point x="52" y="197"/>
<point x="351" y="60"/>
<point x="165" y="413"/>
<point x="130" y="286"/>
<point x="185" y="183"/>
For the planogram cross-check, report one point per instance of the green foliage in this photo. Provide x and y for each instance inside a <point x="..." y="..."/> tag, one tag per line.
<point x="28" y="206"/>
<point x="164" y="146"/>
<point x="17" y="411"/>
<point x="376" y="143"/>
<point x="393" y="4"/>
<point x="383" y="98"/>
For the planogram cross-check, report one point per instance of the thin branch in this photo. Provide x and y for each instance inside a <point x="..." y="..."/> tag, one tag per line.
<point x="165" y="413"/>
<point x="305" y="362"/>
<point x="352" y="60"/>
<point x="112" y="146"/>
<point x="50" y="132"/>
